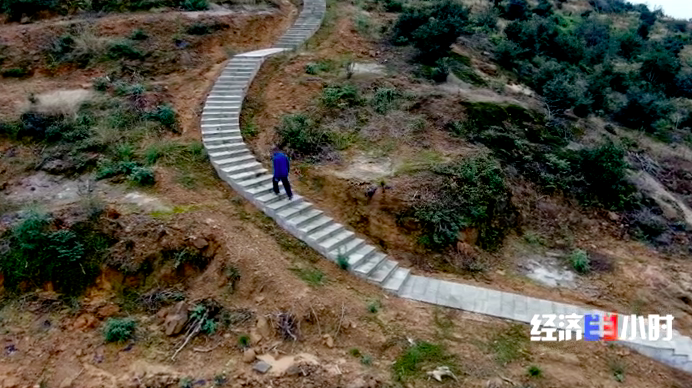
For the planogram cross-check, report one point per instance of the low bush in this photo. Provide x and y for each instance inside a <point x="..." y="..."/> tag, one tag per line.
<point x="471" y="193"/>
<point x="340" y="96"/>
<point x="119" y="329"/>
<point x="195" y="5"/>
<point x="302" y="136"/>
<point x="16" y="9"/>
<point x="420" y="357"/>
<point x="431" y="28"/>
<point x="143" y="176"/>
<point x="123" y="49"/>
<point x="164" y="114"/>
<point x="384" y="100"/>
<point x="17" y="72"/>
<point x="580" y="262"/>
<point x="37" y="252"/>
<point x="139" y="34"/>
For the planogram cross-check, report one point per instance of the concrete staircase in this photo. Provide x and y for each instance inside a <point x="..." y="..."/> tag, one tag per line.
<point x="236" y="165"/>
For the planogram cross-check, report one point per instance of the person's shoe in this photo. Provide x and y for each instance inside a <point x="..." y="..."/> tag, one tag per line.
<point x="290" y="198"/>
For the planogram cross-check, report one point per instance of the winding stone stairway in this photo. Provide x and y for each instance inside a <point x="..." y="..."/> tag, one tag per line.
<point x="236" y="165"/>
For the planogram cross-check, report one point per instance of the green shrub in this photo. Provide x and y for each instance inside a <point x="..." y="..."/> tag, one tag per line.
<point x="164" y="114"/>
<point x="604" y="169"/>
<point x="485" y="19"/>
<point x="196" y="5"/>
<point x="385" y="99"/>
<point x="119" y="329"/>
<point x="37" y="253"/>
<point x="15" y="9"/>
<point x="101" y="83"/>
<point x="142" y="176"/>
<point x="419" y="357"/>
<point x="17" y="72"/>
<point x="580" y="261"/>
<point x="244" y="341"/>
<point x="470" y="193"/>
<point x="366" y="360"/>
<point x="123" y="49"/>
<point x="534" y="371"/>
<point x="393" y="5"/>
<point x="374" y="306"/>
<point x="199" y="29"/>
<point x="516" y="10"/>
<point x="342" y="261"/>
<point x="340" y="96"/>
<point x="431" y="28"/>
<point x="201" y="313"/>
<point x="139" y="34"/>
<point x="301" y="135"/>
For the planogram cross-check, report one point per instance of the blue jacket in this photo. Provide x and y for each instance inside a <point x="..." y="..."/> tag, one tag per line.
<point x="281" y="165"/>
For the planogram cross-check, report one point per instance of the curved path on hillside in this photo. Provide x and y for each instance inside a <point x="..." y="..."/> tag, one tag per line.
<point x="236" y="165"/>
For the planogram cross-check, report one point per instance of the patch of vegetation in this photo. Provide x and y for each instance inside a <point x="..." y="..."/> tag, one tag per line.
<point x="510" y="345"/>
<point x="185" y="256"/>
<point x="312" y="276"/>
<point x="374" y="306"/>
<point x="580" y="261"/>
<point x="355" y="352"/>
<point x="342" y="262"/>
<point x="340" y="96"/>
<point x="471" y="193"/>
<point x="187" y="382"/>
<point x="17" y="72"/>
<point x="195" y="5"/>
<point x="200" y="28"/>
<point x="419" y="357"/>
<point x="36" y="251"/>
<point x="244" y="341"/>
<point x="119" y="329"/>
<point x="123" y="49"/>
<point x="534" y="371"/>
<point x="323" y="66"/>
<point x="250" y="130"/>
<point x="431" y="27"/>
<point x="301" y="135"/>
<point x="366" y="360"/>
<point x="139" y="34"/>
<point x="232" y="276"/>
<point x="385" y="99"/>
<point x="201" y="312"/>
<point x="617" y="368"/>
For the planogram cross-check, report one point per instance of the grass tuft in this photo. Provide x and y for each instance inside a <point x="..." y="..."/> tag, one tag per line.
<point x="416" y="359"/>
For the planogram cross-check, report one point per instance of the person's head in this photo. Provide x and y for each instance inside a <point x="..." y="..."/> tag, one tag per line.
<point x="276" y="149"/>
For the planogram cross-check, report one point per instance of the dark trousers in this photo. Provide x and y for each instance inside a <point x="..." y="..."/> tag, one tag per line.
<point x="287" y="186"/>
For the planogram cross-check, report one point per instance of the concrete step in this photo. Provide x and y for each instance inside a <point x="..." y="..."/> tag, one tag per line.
<point x="211" y="128"/>
<point x="226" y="115"/>
<point x="326" y="232"/>
<point x="258" y="181"/>
<point x="266" y="199"/>
<point x="229" y="154"/>
<point x="294" y="211"/>
<point x="216" y="109"/>
<point x="228" y="132"/>
<point x="369" y="264"/>
<point x="265" y="188"/>
<point x="396" y="280"/>
<point x="220" y="120"/>
<point x="223" y="139"/>
<point x="237" y="169"/>
<point x="285" y="203"/>
<point x="303" y="220"/>
<point x="247" y="175"/>
<point x="358" y="257"/>
<point x="347" y="249"/>
<point x="225" y="146"/>
<point x="383" y="271"/>
<point x="234" y="161"/>
<point x="337" y="240"/>
<point x="311" y="222"/>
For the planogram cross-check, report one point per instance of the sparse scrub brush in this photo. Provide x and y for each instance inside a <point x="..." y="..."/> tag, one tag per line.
<point x="119" y="329"/>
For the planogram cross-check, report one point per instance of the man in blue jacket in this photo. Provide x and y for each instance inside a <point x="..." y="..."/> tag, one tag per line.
<point x="281" y="167"/>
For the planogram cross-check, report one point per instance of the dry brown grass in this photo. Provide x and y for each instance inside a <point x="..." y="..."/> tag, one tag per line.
<point x="60" y="102"/>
